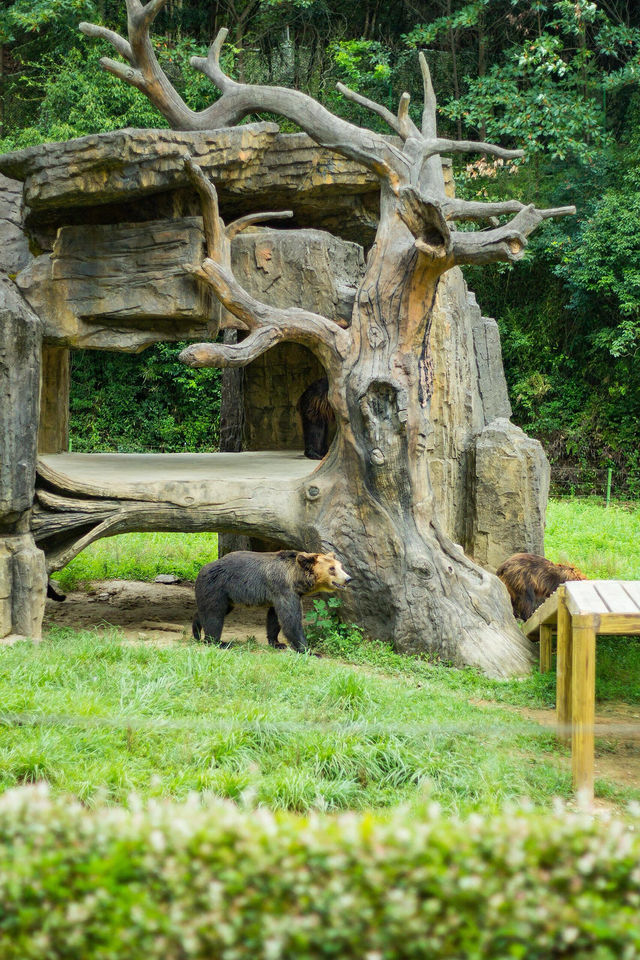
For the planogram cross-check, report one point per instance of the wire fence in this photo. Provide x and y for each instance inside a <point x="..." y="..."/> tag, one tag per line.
<point x="608" y="483"/>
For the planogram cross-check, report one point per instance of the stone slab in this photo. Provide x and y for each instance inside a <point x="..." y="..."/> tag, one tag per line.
<point x="163" y="477"/>
<point x="14" y="246"/>
<point x="122" y="286"/>
<point x="254" y="166"/>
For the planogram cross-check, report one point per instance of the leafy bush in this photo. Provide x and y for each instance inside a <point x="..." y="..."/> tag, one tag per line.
<point x="129" y="403"/>
<point x="182" y="881"/>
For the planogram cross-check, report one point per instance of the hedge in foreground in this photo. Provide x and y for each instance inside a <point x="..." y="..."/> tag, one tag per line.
<point x="181" y="881"/>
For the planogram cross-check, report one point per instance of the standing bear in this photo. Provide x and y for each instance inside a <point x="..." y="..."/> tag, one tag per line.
<point x="317" y="416"/>
<point x="273" y="580"/>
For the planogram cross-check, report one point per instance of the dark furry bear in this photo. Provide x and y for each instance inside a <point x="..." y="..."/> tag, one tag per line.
<point x="531" y="579"/>
<point x="317" y="416"/>
<point x="273" y="580"/>
<point x="53" y="593"/>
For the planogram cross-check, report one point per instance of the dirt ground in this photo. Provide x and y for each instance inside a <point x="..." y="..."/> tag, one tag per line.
<point x="161" y="613"/>
<point x="157" y="612"/>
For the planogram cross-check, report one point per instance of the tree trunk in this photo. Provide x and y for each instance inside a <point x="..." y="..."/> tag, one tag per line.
<point x="374" y="504"/>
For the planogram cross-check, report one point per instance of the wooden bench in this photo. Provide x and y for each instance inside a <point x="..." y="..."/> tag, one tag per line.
<point x="577" y="612"/>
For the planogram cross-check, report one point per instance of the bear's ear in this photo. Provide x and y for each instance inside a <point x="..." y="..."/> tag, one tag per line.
<point x="307" y="560"/>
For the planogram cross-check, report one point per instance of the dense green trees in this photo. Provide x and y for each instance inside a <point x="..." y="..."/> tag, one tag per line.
<point x="559" y="77"/>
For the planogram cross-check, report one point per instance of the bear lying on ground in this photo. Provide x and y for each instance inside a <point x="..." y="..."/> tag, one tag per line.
<point x="273" y="580"/>
<point x="317" y="415"/>
<point x="531" y="579"/>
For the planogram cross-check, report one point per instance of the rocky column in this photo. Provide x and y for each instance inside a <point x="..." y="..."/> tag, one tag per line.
<point x="23" y="579"/>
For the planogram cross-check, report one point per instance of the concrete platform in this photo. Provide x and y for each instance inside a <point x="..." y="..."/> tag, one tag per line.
<point x="182" y="477"/>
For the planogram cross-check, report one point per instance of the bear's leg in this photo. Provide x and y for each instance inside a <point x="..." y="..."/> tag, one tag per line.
<point x="273" y="629"/>
<point x="528" y="604"/>
<point x="288" y="610"/>
<point x="315" y="439"/>
<point x="212" y="618"/>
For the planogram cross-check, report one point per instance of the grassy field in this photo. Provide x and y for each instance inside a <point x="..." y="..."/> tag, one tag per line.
<point x="363" y="727"/>
<point x="141" y="556"/>
<point x="99" y="718"/>
<point x="603" y="542"/>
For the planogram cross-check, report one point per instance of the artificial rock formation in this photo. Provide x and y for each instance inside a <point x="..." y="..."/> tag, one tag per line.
<point x="415" y="376"/>
<point x="22" y="565"/>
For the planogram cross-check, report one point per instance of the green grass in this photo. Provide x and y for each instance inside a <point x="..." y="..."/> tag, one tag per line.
<point x="362" y="727"/>
<point x="100" y="718"/>
<point x="604" y="542"/>
<point x="140" y="556"/>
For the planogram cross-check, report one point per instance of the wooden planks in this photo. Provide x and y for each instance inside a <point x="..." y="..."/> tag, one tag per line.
<point x="564" y="666"/>
<point x="583" y="685"/>
<point x="547" y="613"/>
<point x="579" y="610"/>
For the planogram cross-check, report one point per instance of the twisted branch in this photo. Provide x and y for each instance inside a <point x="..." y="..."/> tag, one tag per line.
<point x="402" y="124"/>
<point x="507" y="242"/>
<point x="477" y="210"/>
<point x="267" y="325"/>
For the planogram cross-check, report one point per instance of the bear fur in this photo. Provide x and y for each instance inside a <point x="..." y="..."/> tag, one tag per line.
<point x="53" y="593"/>
<point x="274" y="580"/>
<point x="531" y="579"/>
<point x="317" y="416"/>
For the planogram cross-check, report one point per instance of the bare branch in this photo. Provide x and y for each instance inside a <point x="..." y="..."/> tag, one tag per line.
<point x="507" y="242"/>
<point x="477" y="210"/>
<point x="237" y="226"/>
<point x="387" y="116"/>
<point x="256" y="314"/>
<point x="429" y="122"/>
<point x="408" y="126"/>
<point x="144" y="71"/>
<point x="210" y="65"/>
<point x="440" y="145"/>
<point x="213" y="226"/>
<point x="123" y="72"/>
<point x="238" y="99"/>
<point x="267" y="325"/>
<point x="122" y="46"/>
<point x="150" y="11"/>
<point x="231" y="354"/>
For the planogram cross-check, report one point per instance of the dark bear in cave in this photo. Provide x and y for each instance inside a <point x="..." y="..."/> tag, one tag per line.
<point x="530" y="579"/>
<point x="317" y="416"/>
<point x="274" y="580"/>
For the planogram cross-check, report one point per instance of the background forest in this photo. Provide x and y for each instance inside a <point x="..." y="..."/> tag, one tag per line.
<point x="559" y="78"/>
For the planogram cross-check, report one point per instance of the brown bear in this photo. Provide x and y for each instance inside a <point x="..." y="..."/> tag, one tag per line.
<point x="317" y="416"/>
<point x="273" y="580"/>
<point x="531" y="579"/>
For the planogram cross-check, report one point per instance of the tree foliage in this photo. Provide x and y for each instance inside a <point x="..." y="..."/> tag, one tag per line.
<point x="559" y="77"/>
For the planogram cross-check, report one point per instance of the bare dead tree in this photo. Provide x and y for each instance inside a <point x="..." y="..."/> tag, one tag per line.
<point x="370" y="499"/>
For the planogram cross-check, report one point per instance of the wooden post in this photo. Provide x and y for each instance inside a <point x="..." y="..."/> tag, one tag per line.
<point x="53" y="429"/>
<point x="564" y="666"/>
<point x="546" y="633"/>
<point x="583" y="703"/>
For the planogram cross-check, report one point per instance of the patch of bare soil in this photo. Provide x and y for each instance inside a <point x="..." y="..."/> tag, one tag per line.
<point x="617" y="730"/>
<point x="156" y="612"/>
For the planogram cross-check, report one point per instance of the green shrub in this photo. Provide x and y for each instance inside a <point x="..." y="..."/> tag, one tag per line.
<point x="184" y="881"/>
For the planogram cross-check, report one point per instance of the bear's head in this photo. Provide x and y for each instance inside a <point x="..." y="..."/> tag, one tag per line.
<point x="569" y="572"/>
<point x="324" y="570"/>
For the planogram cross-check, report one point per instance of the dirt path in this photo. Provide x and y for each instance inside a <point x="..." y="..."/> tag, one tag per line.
<point x="161" y="613"/>
<point x="158" y="612"/>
